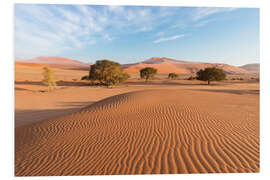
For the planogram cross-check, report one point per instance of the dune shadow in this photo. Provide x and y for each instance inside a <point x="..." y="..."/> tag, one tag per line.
<point x="166" y="83"/>
<point x="58" y="83"/>
<point x="25" y="117"/>
<point x="76" y="104"/>
<point x="21" y="89"/>
<point x="231" y="91"/>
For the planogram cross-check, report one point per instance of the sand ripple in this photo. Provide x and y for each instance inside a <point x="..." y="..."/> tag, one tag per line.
<point x="145" y="132"/>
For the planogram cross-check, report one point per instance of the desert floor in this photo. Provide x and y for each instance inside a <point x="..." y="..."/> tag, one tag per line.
<point x="158" y="127"/>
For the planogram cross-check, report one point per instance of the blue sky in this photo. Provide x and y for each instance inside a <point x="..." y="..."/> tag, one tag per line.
<point x="129" y="34"/>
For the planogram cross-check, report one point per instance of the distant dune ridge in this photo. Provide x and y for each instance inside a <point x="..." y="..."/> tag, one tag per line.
<point x="252" y="68"/>
<point x="145" y="132"/>
<point x="56" y="62"/>
<point x="163" y="64"/>
<point x="167" y="65"/>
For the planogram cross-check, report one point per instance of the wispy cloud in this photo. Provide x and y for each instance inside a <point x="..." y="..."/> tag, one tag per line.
<point x="203" y="12"/>
<point x="53" y="29"/>
<point x="108" y="37"/>
<point x="169" y="38"/>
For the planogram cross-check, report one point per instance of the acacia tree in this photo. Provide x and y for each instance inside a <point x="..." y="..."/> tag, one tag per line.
<point x="107" y="72"/>
<point x="172" y="76"/>
<point x="48" y="78"/>
<point x="148" y="73"/>
<point x="211" y="74"/>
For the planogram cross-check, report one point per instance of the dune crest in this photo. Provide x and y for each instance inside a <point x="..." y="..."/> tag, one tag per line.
<point x="168" y="65"/>
<point x="55" y="62"/>
<point x="145" y="132"/>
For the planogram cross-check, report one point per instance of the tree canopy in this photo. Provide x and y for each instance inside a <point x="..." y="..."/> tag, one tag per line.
<point x="48" y="78"/>
<point x="148" y="73"/>
<point x="172" y="75"/>
<point x="211" y="74"/>
<point x="107" y="72"/>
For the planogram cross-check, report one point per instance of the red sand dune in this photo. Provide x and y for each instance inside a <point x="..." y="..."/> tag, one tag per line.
<point x="27" y="64"/>
<point x="252" y="68"/>
<point x="167" y="65"/>
<point x="164" y="65"/>
<point x="57" y="62"/>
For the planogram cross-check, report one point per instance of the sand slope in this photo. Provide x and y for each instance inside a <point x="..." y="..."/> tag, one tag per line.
<point x="143" y="132"/>
<point x="167" y="65"/>
<point x="34" y="72"/>
<point x="56" y="62"/>
<point x="252" y="68"/>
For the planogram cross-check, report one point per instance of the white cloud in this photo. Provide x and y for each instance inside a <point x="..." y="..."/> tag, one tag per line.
<point x="130" y="15"/>
<point x="144" y="28"/>
<point x="203" y="12"/>
<point x="145" y="13"/>
<point x="116" y="9"/>
<point x="69" y="15"/>
<point x="203" y="22"/>
<point x="169" y="38"/>
<point x="60" y="27"/>
<point x="108" y="37"/>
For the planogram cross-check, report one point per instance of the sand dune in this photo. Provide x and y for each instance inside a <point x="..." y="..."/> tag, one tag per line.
<point x="56" y="62"/>
<point x="146" y="132"/>
<point x="164" y="65"/>
<point x="167" y="65"/>
<point x="252" y="68"/>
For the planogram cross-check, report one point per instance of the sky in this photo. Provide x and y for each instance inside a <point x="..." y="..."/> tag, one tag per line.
<point x="129" y="34"/>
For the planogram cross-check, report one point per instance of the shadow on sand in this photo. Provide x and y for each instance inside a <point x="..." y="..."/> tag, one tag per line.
<point x="166" y="83"/>
<point x="25" y="117"/>
<point x="231" y="91"/>
<point x="59" y="83"/>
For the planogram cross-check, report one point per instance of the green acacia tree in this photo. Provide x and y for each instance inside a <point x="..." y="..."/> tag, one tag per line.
<point x="48" y="78"/>
<point x="107" y="72"/>
<point x="211" y="74"/>
<point x="172" y="76"/>
<point x="148" y="73"/>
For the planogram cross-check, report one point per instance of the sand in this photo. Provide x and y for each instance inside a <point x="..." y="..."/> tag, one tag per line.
<point x="160" y="127"/>
<point x="153" y="130"/>
<point x="33" y="72"/>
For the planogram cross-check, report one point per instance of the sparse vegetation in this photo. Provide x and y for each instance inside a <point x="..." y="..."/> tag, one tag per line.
<point x="148" y="73"/>
<point x="48" y="78"/>
<point x="238" y="78"/>
<point x="211" y="74"/>
<point x="85" y="78"/>
<point x="106" y="73"/>
<point x="172" y="76"/>
<point x="192" y="78"/>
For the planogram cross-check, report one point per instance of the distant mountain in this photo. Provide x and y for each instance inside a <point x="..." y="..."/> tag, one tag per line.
<point x="167" y="65"/>
<point x="56" y="62"/>
<point x="252" y="68"/>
